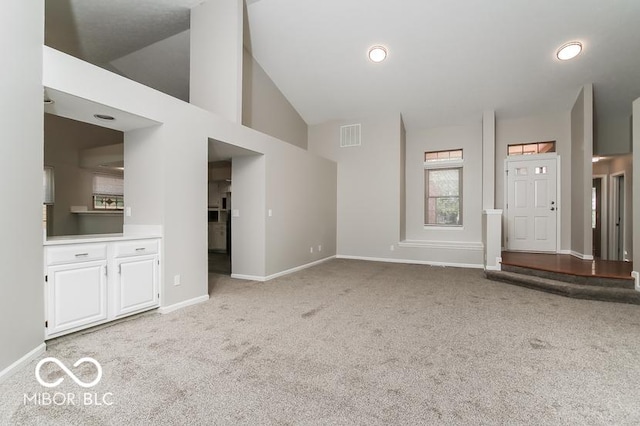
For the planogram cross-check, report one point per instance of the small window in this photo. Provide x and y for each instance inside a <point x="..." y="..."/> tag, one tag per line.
<point x="433" y="156"/>
<point x="108" y="192"/>
<point x="531" y="148"/>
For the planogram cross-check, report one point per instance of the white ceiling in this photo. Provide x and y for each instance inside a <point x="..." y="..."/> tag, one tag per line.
<point x="448" y="60"/>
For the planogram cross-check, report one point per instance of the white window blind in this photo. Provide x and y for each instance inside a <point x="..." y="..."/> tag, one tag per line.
<point x="47" y="186"/>
<point x="108" y="185"/>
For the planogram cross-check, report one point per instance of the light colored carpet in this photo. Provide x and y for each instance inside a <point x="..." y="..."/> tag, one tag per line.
<point x="350" y="342"/>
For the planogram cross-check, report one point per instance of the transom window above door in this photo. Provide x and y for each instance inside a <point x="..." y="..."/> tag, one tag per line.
<point x="531" y="148"/>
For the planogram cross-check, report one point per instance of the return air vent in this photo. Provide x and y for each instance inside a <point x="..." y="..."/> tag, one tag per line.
<point x="350" y="135"/>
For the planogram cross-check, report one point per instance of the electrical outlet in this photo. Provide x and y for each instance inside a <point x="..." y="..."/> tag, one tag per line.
<point x="392" y="248"/>
<point x="310" y="249"/>
<point x="319" y="248"/>
<point x="270" y="213"/>
<point x="176" y="279"/>
<point x="127" y="211"/>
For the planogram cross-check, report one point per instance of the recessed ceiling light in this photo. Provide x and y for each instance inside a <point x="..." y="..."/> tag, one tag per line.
<point x="569" y="50"/>
<point x="104" y="117"/>
<point x="377" y="53"/>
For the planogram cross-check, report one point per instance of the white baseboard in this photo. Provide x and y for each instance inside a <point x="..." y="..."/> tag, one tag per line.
<point x="248" y="277"/>
<point x="581" y="256"/>
<point x="563" y="252"/>
<point x="184" y="304"/>
<point x="414" y="262"/>
<point x="298" y="268"/>
<point x="22" y="362"/>
<point x="636" y="277"/>
<point x="280" y="274"/>
<point x="442" y="245"/>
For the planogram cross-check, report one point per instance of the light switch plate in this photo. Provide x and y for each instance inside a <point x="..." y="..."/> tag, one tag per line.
<point x="235" y="213"/>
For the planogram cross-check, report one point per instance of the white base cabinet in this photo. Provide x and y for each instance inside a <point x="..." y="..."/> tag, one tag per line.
<point x="90" y="284"/>
<point x="77" y="295"/>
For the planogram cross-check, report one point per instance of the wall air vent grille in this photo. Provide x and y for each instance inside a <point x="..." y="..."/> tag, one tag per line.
<point x="350" y="135"/>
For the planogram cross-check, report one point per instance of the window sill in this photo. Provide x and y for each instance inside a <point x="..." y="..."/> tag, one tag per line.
<point x="443" y="228"/>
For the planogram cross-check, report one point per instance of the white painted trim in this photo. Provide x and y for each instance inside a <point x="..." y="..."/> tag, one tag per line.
<point x="248" y="277"/>
<point x="581" y="256"/>
<point x="413" y="262"/>
<point x="280" y="274"/>
<point x="183" y="304"/>
<point x="492" y="212"/>
<point x="22" y="362"/>
<point x="298" y="268"/>
<point x="442" y="245"/>
<point x="636" y="277"/>
<point x="564" y="252"/>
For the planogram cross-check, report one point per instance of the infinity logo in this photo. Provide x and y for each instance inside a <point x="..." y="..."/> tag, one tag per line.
<point x="69" y="373"/>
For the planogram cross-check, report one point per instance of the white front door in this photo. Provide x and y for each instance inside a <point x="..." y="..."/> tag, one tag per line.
<point x="532" y="207"/>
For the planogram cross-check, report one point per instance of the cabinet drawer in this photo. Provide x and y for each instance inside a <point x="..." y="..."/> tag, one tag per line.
<point x="76" y="253"/>
<point x="136" y="248"/>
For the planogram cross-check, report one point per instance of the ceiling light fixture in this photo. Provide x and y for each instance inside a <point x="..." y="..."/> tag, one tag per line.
<point x="377" y="54"/>
<point x="569" y="50"/>
<point x="104" y="117"/>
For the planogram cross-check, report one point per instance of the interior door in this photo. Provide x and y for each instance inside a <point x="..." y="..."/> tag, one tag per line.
<point x="532" y="206"/>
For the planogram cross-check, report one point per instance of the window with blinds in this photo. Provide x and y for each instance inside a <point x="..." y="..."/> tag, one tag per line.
<point x="108" y="192"/>
<point x="443" y="188"/>
<point x="47" y="186"/>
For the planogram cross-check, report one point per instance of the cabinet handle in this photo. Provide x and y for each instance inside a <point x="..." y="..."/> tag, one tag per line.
<point x="141" y="249"/>
<point x="82" y="254"/>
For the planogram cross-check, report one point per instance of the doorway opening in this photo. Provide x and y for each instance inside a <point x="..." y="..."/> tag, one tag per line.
<point x="219" y="217"/>
<point x="618" y="214"/>
<point x="599" y="216"/>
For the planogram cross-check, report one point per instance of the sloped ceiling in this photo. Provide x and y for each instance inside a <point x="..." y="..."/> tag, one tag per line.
<point x="448" y="60"/>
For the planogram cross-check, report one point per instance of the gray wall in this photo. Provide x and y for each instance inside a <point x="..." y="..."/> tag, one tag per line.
<point x="301" y="194"/>
<point x="550" y="127"/>
<point x="21" y="157"/>
<point x="613" y="135"/>
<point x="64" y="139"/>
<point x="469" y="138"/>
<point x="368" y="211"/>
<point x="373" y="222"/>
<point x="581" y="172"/>
<point x="264" y="107"/>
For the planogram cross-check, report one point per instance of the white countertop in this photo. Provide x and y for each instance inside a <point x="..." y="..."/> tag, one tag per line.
<point x="95" y="238"/>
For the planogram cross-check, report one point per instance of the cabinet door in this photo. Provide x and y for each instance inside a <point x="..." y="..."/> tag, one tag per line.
<point x="136" y="284"/>
<point x="76" y="295"/>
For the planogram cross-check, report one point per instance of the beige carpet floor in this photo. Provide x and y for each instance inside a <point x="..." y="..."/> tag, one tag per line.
<point x="351" y="342"/>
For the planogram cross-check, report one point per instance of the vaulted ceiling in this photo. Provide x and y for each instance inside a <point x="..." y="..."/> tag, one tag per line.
<point x="448" y="60"/>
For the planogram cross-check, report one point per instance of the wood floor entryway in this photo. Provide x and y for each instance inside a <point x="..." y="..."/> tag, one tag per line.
<point x="567" y="264"/>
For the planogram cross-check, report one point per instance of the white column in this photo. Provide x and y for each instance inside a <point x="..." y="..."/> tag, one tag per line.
<point x="636" y="192"/>
<point x="216" y="58"/>
<point x="488" y="159"/>
<point x="492" y="238"/>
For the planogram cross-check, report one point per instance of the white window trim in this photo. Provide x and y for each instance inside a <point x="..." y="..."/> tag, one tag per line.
<point x="447" y="164"/>
<point x="444" y="164"/>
